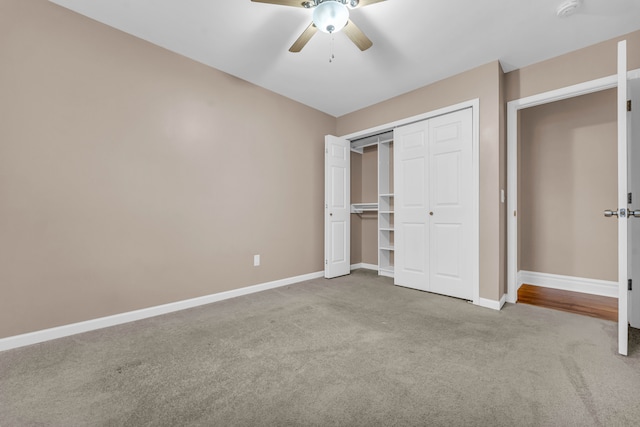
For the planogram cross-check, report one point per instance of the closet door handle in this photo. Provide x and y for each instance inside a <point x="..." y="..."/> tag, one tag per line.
<point x="431" y="213"/>
<point x="620" y="213"/>
<point x="330" y="213"/>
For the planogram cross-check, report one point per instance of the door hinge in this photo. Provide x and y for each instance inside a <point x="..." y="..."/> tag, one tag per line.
<point x="629" y="105"/>
<point x="326" y="262"/>
<point x="630" y="285"/>
<point x="629" y="198"/>
<point x="326" y="151"/>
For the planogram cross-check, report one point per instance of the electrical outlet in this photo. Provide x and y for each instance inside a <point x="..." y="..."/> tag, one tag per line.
<point x="256" y="260"/>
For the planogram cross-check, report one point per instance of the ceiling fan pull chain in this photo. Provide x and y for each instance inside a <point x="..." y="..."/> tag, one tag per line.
<point x="331" y="56"/>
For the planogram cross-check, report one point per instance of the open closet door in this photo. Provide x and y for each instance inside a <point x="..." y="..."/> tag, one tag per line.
<point x="623" y="191"/>
<point x="337" y="202"/>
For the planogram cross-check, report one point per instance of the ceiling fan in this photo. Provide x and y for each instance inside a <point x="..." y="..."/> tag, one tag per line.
<point x="329" y="16"/>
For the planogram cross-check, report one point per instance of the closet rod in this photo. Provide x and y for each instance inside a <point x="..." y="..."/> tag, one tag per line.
<point x="358" y="144"/>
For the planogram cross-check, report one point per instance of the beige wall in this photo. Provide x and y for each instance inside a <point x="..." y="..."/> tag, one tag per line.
<point x="370" y="195"/>
<point x="590" y="63"/>
<point x="132" y="177"/>
<point x="568" y="176"/>
<point x="356" y="197"/>
<point x="502" y="119"/>
<point x="483" y="83"/>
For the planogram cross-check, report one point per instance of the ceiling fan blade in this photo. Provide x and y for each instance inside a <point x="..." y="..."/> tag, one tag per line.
<point x="303" y="39"/>
<point x="294" y="3"/>
<point x="357" y="36"/>
<point x="363" y="3"/>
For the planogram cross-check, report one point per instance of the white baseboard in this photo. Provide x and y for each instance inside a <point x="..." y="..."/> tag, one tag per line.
<point x="386" y="273"/>
<point x="494" y="305"/>
<point x="568" y="283"/>
<point x="131" y="316"/>
<point x="364" y="265"/>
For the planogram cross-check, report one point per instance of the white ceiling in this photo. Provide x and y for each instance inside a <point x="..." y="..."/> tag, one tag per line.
<point x="415" y="42"/>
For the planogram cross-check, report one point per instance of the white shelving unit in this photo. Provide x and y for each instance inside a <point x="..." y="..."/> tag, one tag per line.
<point x="385" y="208"/>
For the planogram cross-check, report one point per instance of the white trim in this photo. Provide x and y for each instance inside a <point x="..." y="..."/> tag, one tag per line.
<point x="418" y="118"/>
<point x="494" y="305"/>
<point x="512" y="160"/>
<point x="386" y="273"/>
<point x="475" y="239"/>
<point x="474" y="104"/>
<point x="604" y="288"/>
<point x="131" y="316"/>
<point x="364" y="265"/>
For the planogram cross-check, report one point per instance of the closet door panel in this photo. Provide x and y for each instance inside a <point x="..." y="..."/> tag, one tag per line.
<point x="337" y="207"/>
<point x="447" y="239"/>
<point x="411" y="206"/>
<point x="413" y="246"/>
<point x="447" y="176"/>
<point x="450" y="166"/>
<point x="413" y="172"/>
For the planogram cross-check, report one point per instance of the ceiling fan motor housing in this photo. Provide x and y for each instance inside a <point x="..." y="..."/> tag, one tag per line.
<point x="330" y="15"/>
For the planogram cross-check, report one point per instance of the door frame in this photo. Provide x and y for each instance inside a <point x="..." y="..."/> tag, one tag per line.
<point x="474" y="104"/>
<point x="513" y="107"/>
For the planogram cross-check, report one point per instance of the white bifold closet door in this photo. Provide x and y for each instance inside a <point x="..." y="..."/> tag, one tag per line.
<point x="337" y="199"/>
<point x="434" y="204"/>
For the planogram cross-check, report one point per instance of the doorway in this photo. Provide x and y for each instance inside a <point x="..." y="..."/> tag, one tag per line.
<point x="567" y="175"/>
<point x="626" y="246"/>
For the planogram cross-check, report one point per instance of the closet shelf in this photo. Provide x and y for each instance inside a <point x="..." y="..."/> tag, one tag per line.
<point x="376" y="139"/>
<point x="386" y="212"/>
<point x="386" y="195"/>
<point x="363" y="207"/>
<point x="387" y="248"/>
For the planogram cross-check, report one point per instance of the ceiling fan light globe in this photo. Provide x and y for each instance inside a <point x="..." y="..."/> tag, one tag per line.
<point x="330" y="16"/>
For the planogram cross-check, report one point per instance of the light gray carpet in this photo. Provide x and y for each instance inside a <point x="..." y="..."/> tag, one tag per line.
<point x="353" y="351"/>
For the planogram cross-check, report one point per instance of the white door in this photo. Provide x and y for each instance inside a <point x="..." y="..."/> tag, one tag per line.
<point x="451" y="207"/>
<point x="434" y="205"/>
<point x="621" y="213"/>
<point x="411" y="205"/>
<point x="337" y="200"/>
<point x="634" y="188"/>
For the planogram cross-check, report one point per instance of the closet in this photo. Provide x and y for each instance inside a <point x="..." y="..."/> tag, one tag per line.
<point x="425" y="206"/>
<point x="433" y="164"/>
<point x="382" y="197"/>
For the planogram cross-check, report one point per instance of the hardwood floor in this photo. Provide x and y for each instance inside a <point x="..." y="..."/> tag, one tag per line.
<point x="573" y="302"/>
